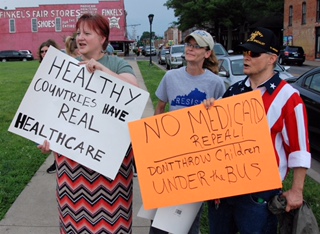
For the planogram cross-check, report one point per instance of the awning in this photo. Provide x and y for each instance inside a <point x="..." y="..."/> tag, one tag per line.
<point x="120" y="39"/>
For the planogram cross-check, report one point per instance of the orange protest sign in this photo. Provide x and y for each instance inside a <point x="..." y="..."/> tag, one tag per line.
<point x="195" y="154"/>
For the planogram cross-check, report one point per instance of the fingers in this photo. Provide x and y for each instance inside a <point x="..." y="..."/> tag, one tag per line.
<point x="45" y="147"/>
<point x="289" y="208"/>
<point x="208" y="103"/>
<point x="91" y="65"/>
<point x="294" y="200"/>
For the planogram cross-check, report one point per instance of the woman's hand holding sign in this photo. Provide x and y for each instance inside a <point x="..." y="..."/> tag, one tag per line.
<point x="45" y="147"/>
<point x="208" y="103"/>
<point x="92" y="65"/>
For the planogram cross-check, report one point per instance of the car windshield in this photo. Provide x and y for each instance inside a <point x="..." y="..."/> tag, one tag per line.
<point x="294" y="49"/>
<point x="219" y="50"/>
<point x="163" y="51"/>
<point x="237" y="67"/>
<point x="178" y="49"/>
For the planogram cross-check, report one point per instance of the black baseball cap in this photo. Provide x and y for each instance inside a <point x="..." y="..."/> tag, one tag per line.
<point x="261" y="40"/>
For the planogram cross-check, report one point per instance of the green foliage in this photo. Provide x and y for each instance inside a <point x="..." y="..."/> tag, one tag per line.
<point x="255" y="10"/>
<point x="208" y="14"/>
<point x="145" y="38"/>
<point x="19" y="158"/>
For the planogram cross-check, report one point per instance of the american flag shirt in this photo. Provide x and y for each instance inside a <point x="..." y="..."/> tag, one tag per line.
<point x="287" y="118"/>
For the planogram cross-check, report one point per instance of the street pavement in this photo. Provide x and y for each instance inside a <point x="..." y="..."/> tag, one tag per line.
<point x="35" y="210"/>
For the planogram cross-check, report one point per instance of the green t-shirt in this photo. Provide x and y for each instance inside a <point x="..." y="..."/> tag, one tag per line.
<point x="115" y="64"/>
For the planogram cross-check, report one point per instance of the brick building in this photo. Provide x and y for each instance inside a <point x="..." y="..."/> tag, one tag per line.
<point x="301" y="26"/>
<point x="27" y="27"/>
<point x="173" y="36"/>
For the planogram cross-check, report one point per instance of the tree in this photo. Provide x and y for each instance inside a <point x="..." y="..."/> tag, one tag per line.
<point x="220" y="16"/>
<point x="210" y="15"/>
<point x="145" y="38"/>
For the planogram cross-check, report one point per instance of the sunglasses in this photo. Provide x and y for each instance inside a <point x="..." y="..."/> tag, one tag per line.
<point x="253" y="54"/>
<point x="43" y="51"/>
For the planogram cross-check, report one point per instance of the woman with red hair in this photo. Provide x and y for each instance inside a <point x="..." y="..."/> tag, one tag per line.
<point x="89" y="202"/>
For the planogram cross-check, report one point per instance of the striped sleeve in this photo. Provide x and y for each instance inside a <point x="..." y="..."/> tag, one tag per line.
<point x="288" y="121"/>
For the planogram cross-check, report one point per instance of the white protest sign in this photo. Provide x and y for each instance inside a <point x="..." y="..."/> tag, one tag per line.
<point x="146" y="214"/>
<point x="83" y="115"/>
<point x="173" y="219"/>
<point x="176" y="219"/>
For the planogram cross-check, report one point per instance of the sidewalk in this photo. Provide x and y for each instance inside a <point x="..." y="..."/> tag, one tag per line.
<point x="312" y="63"/>
<point x="35" y="210"/>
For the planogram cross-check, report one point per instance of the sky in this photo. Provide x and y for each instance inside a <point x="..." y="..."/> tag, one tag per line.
<point x="138" y="11"/>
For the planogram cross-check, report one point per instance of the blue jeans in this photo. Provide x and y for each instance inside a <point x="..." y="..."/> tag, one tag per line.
<point x="194" y="229"/>
<point x="245" y="214"/>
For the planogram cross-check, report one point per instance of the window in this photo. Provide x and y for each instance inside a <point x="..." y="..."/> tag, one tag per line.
<point x="12" y="26"/>
<point x="34" y="25"/>
<point x="290" y="15"/>
<point x="58" y="24"/>
<point x="307" y="82"/>
<point x="318" y="10"/>
<point x="304" y="13"/>
<point x="224" y="66"/>
<point x="315" y="83"/>
<point x="237" y="67"/>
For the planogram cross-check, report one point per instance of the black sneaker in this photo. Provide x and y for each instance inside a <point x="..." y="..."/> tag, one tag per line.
<point x="52" y="168"/>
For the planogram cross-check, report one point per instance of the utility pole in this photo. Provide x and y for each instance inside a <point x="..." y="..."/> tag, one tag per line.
<point x="133" y="30"/>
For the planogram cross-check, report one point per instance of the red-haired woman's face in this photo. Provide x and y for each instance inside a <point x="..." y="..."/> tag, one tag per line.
<point x="89" y="42"/>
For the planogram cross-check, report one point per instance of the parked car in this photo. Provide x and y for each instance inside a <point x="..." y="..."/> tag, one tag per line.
<point x="231" y="69"/>
<point x="173" y="57"/>
<point x="14" y="55"/>
<point x="28" y="52"/>
<point x="139" y="50"/>
<point x="220" y="51"/>
<point x="162" y="56"/>
<point x="148" y="52"/>
<point x="292" y="54"/>
<point x="143" y="50"/>
<point x="308" y="85"/>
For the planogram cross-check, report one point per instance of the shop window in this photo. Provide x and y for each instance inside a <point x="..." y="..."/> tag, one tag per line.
<point x="58" y="24"/>
<point x="318" y="10"/>
<point x="304" y="13"/>
<point x="12" y="26"/>
<point x="34" y="24"/>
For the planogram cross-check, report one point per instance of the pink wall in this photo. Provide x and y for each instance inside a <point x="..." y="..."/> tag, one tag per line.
<point x="46" y="15"/>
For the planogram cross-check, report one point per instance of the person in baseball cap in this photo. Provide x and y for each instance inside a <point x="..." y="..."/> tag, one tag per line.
<point x="200" y="40"/>
<point x="262" y="40"/>
<point x="189" y="85"/>
<point x="203" y="38"/>
<point x="288" y="128"/>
